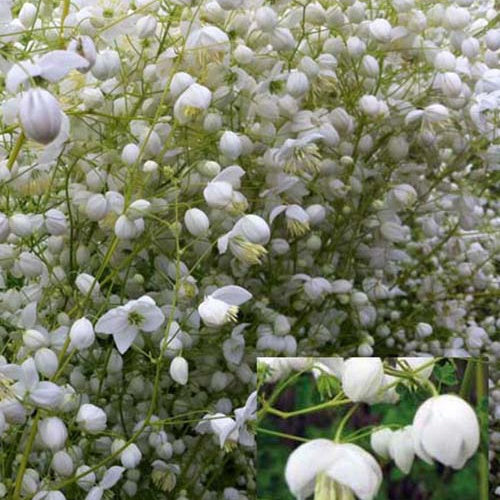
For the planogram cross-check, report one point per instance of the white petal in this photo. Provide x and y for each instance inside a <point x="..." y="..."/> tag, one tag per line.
<point x="231" y="175"/>
<point x="356" y="468"/>
<point x="223" y="242"/>
<point x="58" y="63"/>
<point x="111" y="477"/>
<point x="232" y="294"/>
<point x="152" y="315"/>
<point x="305" y="463"/>
<point x="21" y="73"/>
<point x="275" y="212"/>
<point x="113" y="321"/>
<point x="125" y="338"/>
<point x="296" y="212"/>
<point x="401" y="449"/>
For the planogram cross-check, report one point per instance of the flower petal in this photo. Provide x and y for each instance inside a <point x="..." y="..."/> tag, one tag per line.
<point x="113" y="321"/>
<point x="232" y="294"/>
<point x="125" y="338"/>
<point x="305" y="463"/>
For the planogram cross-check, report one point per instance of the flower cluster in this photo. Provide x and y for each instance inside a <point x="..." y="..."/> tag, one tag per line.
<point x="186" y="184"/>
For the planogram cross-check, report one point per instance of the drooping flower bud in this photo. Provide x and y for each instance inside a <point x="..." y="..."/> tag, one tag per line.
<point x="40" y="115"/>
<point x="179" y="370"/>
<point x="446" y="428"/>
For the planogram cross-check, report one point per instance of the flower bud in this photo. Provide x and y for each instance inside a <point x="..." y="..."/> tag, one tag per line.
<point x="91" y="418"/>
<point x="40" y="115"/>
<point x="194" y="101"/>
<point x="146" y="26"/>
<point x="131" y="456"/>
<point x="297" y="83"/>
<point x="55" y="222"/>
<point x="34" y="339"/>
<point x="53" y="433"/>
<point x="46" y="362"/>
<point x="179" y="370"/>
<point x="107" y="65"/>
<point x="362" y="379"/>
<point x="380" y="29"/>
<point x="446" y="428"/>
<point x="379" y="441"/>
<point x="130" y="154"/>
<point x="82" y="334"/>
<point x="196" y="221"/>
<point x="62" y="464"/>
<point x="97" y="207"/>
<point x="230" y="145"/>
<point x="27" y="14"/>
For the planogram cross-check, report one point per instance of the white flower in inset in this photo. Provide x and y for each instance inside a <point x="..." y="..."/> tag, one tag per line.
<point x="446" y="428"/>
<point x="221" y="306"/>
<point x="322" y="465"/>
<point x="397" y="445"/>
<point x="401" y="448"/>
<point x="362" y="379"/>
<point x="125" y="322"/>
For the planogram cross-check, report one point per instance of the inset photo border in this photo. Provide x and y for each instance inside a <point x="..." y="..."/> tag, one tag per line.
<point x="371" y="428"/>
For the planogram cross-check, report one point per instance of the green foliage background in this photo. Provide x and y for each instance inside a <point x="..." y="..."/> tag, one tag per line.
<point x="424" y="482"/>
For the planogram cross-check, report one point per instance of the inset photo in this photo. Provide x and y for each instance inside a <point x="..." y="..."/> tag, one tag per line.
<point x="372" y="429"/>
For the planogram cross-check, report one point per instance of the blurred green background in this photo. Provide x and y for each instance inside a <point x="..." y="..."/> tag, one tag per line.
<point x="424" y="482"/>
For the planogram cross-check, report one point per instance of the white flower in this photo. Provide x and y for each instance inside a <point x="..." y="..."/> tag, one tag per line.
<point x="296" y="217"/>
<point x="52" y="66"/>
<point x="362" y="379"/>
<point x="91" y="418"/>
<point x="40" y="115"/>
<point x="401" y="448"/>
<point x="446" y="428"/>
<point x="247" y="239"/>
<point x="220" y="191"/>
<point x="221" y="306"/>
<point x="193" y="102"/>
<point x="125" y="322"/>
<point x="321" y="465"/>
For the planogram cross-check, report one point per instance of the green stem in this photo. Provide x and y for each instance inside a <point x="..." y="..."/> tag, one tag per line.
<point x="281" y="434"/>
<point x="467" y="380"/>
<point x="24" y="462"/>
<point x="344" y="421"/>
<point x="15" y="152"/>
<point x="311" y="409"/>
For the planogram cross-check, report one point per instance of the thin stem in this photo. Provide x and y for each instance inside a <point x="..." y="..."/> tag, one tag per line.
<point x="311" y="409"/>
<point x="24" y="461"/>
<point x="15" y="152"/>
<point x="467" y="380"/>
<point x="344" y="421"/>
<point x="281" y="434"/>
